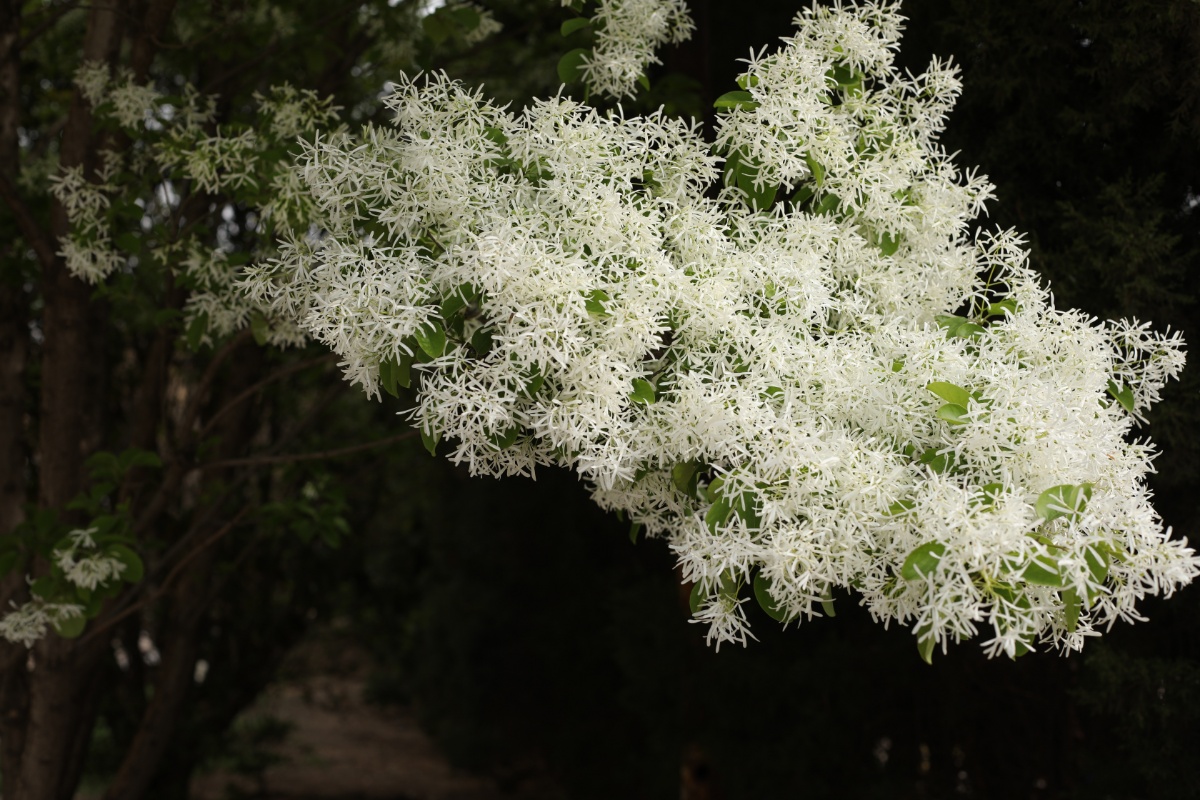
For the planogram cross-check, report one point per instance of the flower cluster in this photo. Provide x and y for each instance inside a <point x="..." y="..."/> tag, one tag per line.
<point x="812" y="381"/>
<point x="184" y="147"/>
<point x="82" y="564"/>
<point x="84" y="567"/>
<point x="628" y="32"/>
<point x="27" y="623"/>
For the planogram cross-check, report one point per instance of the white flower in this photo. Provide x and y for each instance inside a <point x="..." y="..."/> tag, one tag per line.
<point x="628" y="32"/>
<point x="784" y="394"/>
<point x="27" y="623"/>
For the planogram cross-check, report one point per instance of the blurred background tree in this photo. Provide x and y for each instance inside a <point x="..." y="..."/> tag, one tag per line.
<point x="519" y="621"/>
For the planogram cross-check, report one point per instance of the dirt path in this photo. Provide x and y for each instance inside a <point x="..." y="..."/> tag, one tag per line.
<point x="336" y="746"/>
<point x="340" y="747"/>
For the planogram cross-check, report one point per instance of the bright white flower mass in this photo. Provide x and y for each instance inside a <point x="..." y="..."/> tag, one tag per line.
<point x="812" y="381"/>
<point x="628" y="32"/>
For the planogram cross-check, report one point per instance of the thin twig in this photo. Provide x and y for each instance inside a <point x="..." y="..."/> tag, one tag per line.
<point x="261" y="461"/>
<point x="162" y="588"/>
<point x="210" y="375"/>
<point x="258" y="387"/>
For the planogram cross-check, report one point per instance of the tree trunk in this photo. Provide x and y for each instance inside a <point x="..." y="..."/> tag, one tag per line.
<point x="47" y="710"/>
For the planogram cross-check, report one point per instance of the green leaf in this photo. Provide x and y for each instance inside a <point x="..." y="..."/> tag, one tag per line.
<point x="481" y="341"/>
<point x="133" y="568"/>
<point x="950" y="322"/>
<point x="507" y="438"/>
<point x="697" y="597"/>
<point x="196" y="331"/>
<point x="1002" y="308"/>
<point x="923" y="561"/>
<point x="570" y="66"/>
<point x="926" y="643"/>
<point x="802" y="195"/>
<point x="1042" y="573"/>
<point x="534" y="384"/>
<point x="1122" y="394"/>
<point x="136" y="457"/>
<point x="828" y="205"/>
<point x="44" y="587"/>
<point x="827" y="604"/>
<point x="762" y="593"/>
<point x="900" y="508"/>
<point x="70" y="627"/>
<point x="430" y="440"/>
<point x="748" y="507"/>
<point x="436" y="28"/>
<point x="466" y="17"/>
<point x="760" y="199"/>
<point x="954" y="414"/>
<point x="432" y="339"/>
<point x="951" y="393"/>
<point x="1065" y="500"/>
<point x="925" y="648"/>
<point x="1097" y="562"/>
<point x="889" y="244"/>
<point x="497" y="137"/>
<point x="736" y="99"/>
<point x="990" y="492"/>
<point x="717" y="514"/>
<point x="395" y="374"/>
<point x="572" y="25"/>
<point x="595" y="302"/>
<point x="259" y="328"/>
<point x="845" y="76"/>
<point x="1071" y="607"/>
<point x="451" y="306"/>
<point x="644" y="82"/>
<point x="635" y="528"/>
<point x="643" y="391"/>
<point x="818" y="172"/>
<point x="966" y="331"/>
<point x="937" y="461"/>
<point x="684" y="476"/>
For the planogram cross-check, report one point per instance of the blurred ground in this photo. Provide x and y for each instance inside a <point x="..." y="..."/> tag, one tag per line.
<point x="330" y="744"/>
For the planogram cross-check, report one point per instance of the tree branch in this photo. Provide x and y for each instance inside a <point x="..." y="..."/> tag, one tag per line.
<point x="206" y="381"/>
<point x="123" y="609"/>
<point x="258" y="387"/>
<point x="261" y="461"/>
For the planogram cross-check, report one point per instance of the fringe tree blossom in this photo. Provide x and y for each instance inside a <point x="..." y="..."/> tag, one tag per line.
<point x="86" y="570"/>
<point x="811" y="382"/>
<point x="628" y="32"/>
<point x="83" y="566"/>
<point x="27" y="623"/>
<point x="182" y="145"/>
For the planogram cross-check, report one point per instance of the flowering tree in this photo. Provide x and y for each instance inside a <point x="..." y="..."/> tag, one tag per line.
<point x="809" y="379"/>
<point x="782" y="351"/>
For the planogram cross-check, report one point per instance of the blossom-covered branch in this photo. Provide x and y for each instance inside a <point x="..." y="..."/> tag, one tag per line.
<point x="816" y="381"/>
